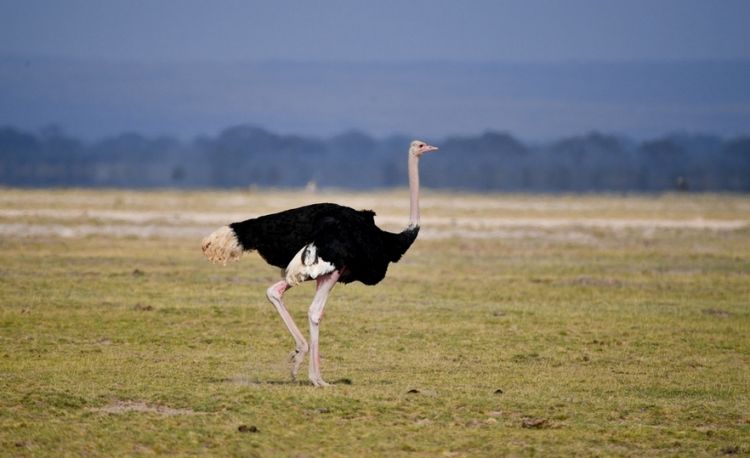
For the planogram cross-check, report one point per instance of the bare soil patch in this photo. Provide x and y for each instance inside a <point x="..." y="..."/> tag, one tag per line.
<point x="121" y="407"/>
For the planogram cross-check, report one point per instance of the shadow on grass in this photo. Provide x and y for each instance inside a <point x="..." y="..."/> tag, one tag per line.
<point x="288" y="382"/>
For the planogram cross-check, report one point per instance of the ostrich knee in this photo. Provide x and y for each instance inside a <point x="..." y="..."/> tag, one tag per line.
<point x="315" y="316"/>
<point x="275" y="291"/>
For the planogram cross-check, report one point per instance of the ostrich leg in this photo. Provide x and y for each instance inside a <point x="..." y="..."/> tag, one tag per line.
<point x="274" y="294"/>
<point x="315" y="314"/>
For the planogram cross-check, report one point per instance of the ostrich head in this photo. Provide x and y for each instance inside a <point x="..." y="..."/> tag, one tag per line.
<point x="418" y="148"/>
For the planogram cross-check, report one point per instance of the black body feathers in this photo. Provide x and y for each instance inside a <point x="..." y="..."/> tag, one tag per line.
<point x="347" y="238"/>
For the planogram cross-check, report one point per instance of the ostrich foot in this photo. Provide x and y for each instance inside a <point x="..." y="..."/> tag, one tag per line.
<point x="314" y="373"/>
<point x="318" y="381"/>
<point x="296" y="357"/>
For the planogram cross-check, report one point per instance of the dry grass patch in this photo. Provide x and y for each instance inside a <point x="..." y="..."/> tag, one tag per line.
<point x="557" y="340"/>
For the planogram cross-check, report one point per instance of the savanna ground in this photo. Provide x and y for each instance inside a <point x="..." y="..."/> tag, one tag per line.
<point x="516" y="325"/>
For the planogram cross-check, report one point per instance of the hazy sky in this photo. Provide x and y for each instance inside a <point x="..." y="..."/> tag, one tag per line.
<point x="186" y="67"/>
<point x="381" y="30"/>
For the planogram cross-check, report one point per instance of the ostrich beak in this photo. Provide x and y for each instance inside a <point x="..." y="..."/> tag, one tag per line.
<point x="429" y="148"/>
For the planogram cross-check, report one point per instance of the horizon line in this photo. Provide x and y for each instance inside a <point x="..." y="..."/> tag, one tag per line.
<point x="361" y="131"/>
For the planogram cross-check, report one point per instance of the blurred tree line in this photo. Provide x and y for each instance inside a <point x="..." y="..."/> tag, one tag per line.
<point x="251" y="156"/>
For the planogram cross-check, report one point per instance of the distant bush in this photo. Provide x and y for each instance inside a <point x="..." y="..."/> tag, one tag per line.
<point x="494" y="161"/>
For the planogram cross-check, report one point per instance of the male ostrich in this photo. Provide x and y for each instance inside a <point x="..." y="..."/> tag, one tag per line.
<point x="325" y="242"/>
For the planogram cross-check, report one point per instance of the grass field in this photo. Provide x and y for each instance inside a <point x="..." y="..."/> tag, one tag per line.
<point x="516" y="325"/>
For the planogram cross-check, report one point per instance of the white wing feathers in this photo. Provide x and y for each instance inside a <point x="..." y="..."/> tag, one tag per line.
<point x="307" y="265"/>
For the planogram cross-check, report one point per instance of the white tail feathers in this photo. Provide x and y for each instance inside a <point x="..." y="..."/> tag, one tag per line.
<point x="222" y="246"/>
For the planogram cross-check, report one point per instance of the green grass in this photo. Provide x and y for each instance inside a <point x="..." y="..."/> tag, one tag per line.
<point x="629" y="343"/>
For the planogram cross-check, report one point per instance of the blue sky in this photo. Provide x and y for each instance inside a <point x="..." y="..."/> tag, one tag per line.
<point x="384" y="30"/>
<point x="189" y="67"/>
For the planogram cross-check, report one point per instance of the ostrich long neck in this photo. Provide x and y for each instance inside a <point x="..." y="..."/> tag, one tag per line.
<point x="414" y="190"/>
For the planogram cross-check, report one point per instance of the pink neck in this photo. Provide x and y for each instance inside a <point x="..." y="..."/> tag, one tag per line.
<point x="414" y="189"/>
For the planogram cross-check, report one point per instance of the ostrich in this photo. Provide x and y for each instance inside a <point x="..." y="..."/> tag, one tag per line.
<point x="324" y="242"/>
